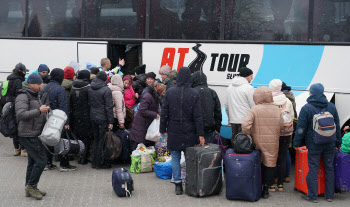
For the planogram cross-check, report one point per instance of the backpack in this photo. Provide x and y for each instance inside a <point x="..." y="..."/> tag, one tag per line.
<point x="323" y="126"/>
<point x="8" y="123"/>
<point x="287" y="119"/>
<point x="112" y="146"/>
<point x="4" y="87"/>
<point x="243" y="144"/>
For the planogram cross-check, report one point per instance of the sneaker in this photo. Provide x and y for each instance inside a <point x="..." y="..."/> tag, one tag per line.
<point x="306" y="197"/>
<point x="50" y="166"/>
<point x="280" y="188"/>
<point x="16" y="152"/>
<point x="272" y="188"/>
<point x="24" y="153"/>
<point x="67" y="168"/>
<point x="287" y="179"/>
<point x="178" y="189"/>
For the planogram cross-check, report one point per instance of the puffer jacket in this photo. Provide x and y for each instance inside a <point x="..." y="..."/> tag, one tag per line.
<point x="210" y="103"/>
<point x="265" y="122"/>
<point x="14" y="86"/>
<point x="239" y="99"/>
<point x="139" y="84"/>
<point x="67" y="85"/>
<point x="279" y="99"/>
<point x="291" y="97"/>
<point x="118" y="101"/>
<point x="181" y="114"/>
<point x="79" y="109"/>
<point x="305" y="122"/>
<point x="170" y="78"/>
<point x="30" y="121"/>
<point x="101" y="102"/>
<point x="129" y="97"/>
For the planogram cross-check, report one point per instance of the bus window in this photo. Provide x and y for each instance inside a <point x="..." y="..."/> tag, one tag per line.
<point x="115" y="19"/>
<point x="12" y="18"/>
<point x="51" y="18"/>
<point x="188" y="19"/>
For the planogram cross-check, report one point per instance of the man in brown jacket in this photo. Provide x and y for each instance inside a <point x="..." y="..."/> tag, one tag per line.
<point x="265" y="122"/>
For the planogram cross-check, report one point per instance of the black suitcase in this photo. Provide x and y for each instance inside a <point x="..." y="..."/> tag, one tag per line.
<point x="203" y="170"/>
<point x="122" y="183"/>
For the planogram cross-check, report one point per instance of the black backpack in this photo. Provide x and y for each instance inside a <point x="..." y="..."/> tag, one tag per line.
<point x="243" y="144"/>
<point x="8" y="124"/>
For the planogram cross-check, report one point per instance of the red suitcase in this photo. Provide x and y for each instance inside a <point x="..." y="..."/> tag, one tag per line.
<point x="301" y="170"/>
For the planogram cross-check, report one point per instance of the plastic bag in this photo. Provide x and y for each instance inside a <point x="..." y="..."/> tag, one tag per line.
<point x="153" y="133"/>
<point x="163" y="170"/>
<point x="135" y="166"/>
<point x="142" y="159"/>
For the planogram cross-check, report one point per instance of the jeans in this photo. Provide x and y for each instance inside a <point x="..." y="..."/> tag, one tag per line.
<point x="176" y="165"/>
<point x="267" y="175"/>
<point x="281" y="160"/>
<point x="288" y="164"/>
<point x="208" y="136"/>
<point x="99" y="130"/>
<point x="236" y="128"/>
<point x="16" y="143"/>
<point x="36" y="159"/>
<point x="314" y="157"/>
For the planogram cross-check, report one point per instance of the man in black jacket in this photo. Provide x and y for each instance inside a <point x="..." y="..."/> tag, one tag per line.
<point x="101" y="115"/>
<point x="211" y="107"/>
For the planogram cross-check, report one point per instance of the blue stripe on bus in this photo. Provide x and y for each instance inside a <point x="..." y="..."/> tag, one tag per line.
<point x="295" y="65"/>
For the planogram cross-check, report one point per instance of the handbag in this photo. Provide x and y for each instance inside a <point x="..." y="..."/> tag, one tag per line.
<point x="218" y="140"/>
<point x="69" y="146"/>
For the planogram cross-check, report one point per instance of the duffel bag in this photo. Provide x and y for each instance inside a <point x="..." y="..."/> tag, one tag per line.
<point x="70" y="146"/>
<point x="51" y="133"/>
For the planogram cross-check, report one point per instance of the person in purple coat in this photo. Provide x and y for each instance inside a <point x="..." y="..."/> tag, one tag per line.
<point x="147" y="112"/>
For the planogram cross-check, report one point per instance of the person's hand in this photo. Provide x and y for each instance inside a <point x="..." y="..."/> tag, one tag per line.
<point x="121" y="62"/>
<point x="158" y="116"/>
<point x="121" y="126"/>
<point x="110" y="126"/>
<point x="201" y="140"/>
<point x="43" y="109"/>
<point x="346" y="128"/>
<point x="136" y="95"/>
<point x="66" y="127"/>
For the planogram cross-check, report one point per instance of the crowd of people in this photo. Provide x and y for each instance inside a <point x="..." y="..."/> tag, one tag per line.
<point x="97" y="100"/>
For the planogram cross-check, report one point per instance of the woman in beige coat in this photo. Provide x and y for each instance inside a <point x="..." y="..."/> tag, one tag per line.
<point x="117" y="88"/>
<point x="265" y="122"/>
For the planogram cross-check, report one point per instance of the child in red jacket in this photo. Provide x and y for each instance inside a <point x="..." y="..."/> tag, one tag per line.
<point x="130" y="96"/>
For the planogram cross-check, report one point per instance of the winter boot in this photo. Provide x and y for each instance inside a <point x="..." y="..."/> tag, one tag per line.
<point x="32" y="191"/>
<point x="265" y="192"/>
<point x="16" y="152"/>
<point x="24" y="153"/>
<point x="178" y="188"/>
<point x="43" y="193"/>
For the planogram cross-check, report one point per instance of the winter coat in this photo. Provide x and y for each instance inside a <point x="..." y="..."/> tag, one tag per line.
<point x="181" y="114"/>
<point x="210" y="103"/>
<point x="291" y="97"/>
<point x="15" y="84"/>
<point x="139" y="83"/>
<point x="101" y="102"/>
<point x="345" y="145"/>
<point x="118" y="102"/>
<point x="67" y="85"/>
<point x="57" y="97"/>
<point x="147" y="112"/>
<point x="170" y="80"/>
<point x="79" y="109"/>
<point x="305" y="121"/>
<point x="279" y="99"/>
<point x="265" y="122"/>
<point x="129" y="97"/>
<point x="30" y="121"/>
<point x="239" y="99"/>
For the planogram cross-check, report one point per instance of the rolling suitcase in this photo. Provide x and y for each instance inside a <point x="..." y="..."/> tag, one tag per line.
<point x="243" y="176"/>
<point x="301" y="170"/>
<point x="122" y="182"/>
<point x="126" y="151"/>
<point x="203" y="170"/>
<point x="342" y="171"/>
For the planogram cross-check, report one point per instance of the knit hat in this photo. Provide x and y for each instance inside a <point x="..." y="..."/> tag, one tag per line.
<point x="275" y="85"/>
<point x="57" y="74"/>
<point x="316" y="88"/>
<point x="84" y="74"/>
<point x="151" y="75"/>
<point x="21" y="67"/>
<point x="34" y="78"/>
<point x="285" y="87"/>
<point x="159" y="88"/>
<point x="102" y="76"/>
<point x="165" y="70"/>
<point x="140" y="70"/>
<point x="43" y="67"/>
<point x="129" y="78"/>
<point x="69" y="73"/>
<point x="245" y="72"/>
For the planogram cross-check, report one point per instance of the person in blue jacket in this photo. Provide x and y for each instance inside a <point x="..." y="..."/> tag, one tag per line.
<point x="315" y="151"/>
<point x="42" y="70"/>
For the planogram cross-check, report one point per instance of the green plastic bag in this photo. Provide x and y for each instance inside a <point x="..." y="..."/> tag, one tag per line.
<point x="135" y="164"/>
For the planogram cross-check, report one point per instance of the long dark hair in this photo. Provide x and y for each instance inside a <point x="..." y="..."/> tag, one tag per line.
<point x="19" y="73"/>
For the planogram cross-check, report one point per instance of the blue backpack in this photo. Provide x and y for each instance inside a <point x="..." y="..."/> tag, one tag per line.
<point x="323" y="126"/>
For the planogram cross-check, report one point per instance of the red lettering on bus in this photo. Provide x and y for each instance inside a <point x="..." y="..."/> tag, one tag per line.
<point x="182" y="52"/>
<point x="168" y="57"/>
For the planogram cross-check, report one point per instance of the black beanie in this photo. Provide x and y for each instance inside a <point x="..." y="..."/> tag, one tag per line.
<point x="57" y="74"/>
<point x="140" y="70"/>
<point x="102" y="76"/>
<point x="151" y="75"/>
<point x="245" y="72"/>
<point x="285" y="87"/>
<point x="84" y="74"/>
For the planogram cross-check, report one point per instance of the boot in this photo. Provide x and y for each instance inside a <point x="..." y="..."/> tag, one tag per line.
<point x="16" y="152"/>
<point x="24" y="153"/>
<point x="178" y="188"/>
<point x="43" y="193"/>
<point x="265" y="192"/>
<point x="32" y="191"/>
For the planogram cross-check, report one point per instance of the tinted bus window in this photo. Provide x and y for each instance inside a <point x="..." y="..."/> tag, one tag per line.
<point x="115" y="19"/>
<point x="331" y="21"/>
<point x="188" y="19"/>
<point x="12" y="18"/>
<point x="269" y="20"/>
<point x="52" y="18"/>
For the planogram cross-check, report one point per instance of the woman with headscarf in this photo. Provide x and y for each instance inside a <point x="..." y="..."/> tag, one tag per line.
<point x="148" y="111"/>
<point x="117" y="88"/>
